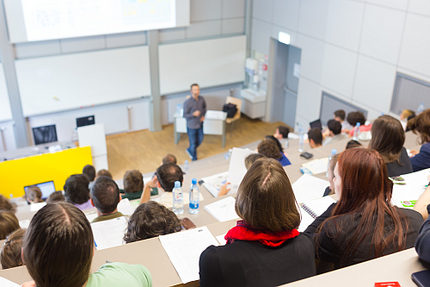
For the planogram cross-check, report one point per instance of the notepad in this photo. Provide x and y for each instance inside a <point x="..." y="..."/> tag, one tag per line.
<point x="124" y="206"/>
<point x="184" y="249"/>
<point x="6" y="283"/>
<point x="308" y="187"/>
<point x="223" y="210"/>
<point x="317" y="207"/>
<point x="215" y="182"/>
<point x="316" y="166"/>
<point x="109" y="233"/>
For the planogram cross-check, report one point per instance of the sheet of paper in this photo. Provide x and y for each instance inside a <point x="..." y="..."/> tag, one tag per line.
<point x="184" y="249"/>
<point x="414" y="185"/>
<point x="91" y="215"/>
<point x="215" y="182"/>
<point x="24" y="223"/>
<point x="37" y="206"/>
<point x="221" y="239"/>
<point x="317" y="166"/>
<point x="109" y="233"/>
<point x="306" y="220"/>
<point x="237" y="168"/>
<point x="317" y="206"/>
<point x="125" y="207"/>
<point x="309" y="187"/>
<point x="223" y="210"/>
<point x="6" y="283"/>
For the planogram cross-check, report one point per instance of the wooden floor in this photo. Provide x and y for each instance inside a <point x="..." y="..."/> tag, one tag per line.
<point x="144" y="150"/>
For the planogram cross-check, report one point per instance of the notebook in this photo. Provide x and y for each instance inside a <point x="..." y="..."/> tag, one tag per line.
<point x="315" y="166"/>
<point x="317" y="207"/>
<point x="223" y="210"/>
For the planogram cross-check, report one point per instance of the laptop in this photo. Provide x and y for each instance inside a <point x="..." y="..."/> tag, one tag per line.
<point x="46" y="187"/>
<point x="316" y="124"/>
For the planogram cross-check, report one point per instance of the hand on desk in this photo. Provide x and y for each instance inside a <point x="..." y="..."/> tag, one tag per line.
<point x="196" y="113"/>
<point x="414" y="152"/>
<point x="224" y="190"/>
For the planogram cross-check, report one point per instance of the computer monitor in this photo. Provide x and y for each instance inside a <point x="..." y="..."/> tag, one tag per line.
<point x="85" y="121"/>
<point x="46" y="187"/>
<point x="316" y="124"/>
<point x="46" y="134"/>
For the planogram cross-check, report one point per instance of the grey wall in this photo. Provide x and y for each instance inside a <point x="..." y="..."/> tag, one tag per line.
<point x="350" y="48"/>
<point x="209" y="19"/>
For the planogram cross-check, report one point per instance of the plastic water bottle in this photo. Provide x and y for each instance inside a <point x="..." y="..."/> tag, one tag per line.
<point x="333" y="152"/>
<point x="178" y="199"/>
<point x="178" y="110"/>
<point x="301" y="139"/>
<point x="194" y="197"/>
<point x="356" y="132"/>
<point x="186" y="167"/>
<point x="420" y="108"/>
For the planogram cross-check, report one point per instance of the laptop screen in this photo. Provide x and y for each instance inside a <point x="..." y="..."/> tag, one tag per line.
<point x="46" y="187"/>
<point x="316" y="124"/>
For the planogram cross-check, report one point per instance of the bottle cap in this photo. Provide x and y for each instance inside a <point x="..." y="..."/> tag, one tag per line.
<point x="358" y="124"/>
<point x="194" y="181"/>
<point x="334" y="151"/>
<point x="177" y="184"/>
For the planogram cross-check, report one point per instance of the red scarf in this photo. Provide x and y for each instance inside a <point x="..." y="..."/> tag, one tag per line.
<point x="244" y="231"/>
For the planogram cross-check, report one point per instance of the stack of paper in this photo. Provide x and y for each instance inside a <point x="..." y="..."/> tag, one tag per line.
<point x="308" y="187"/>
<point x="109" y="233"/>
<point x="223" y="210"/>
<point x="237" y="168"/>
<point x="315" y="166"/>
<point x="184" y="249"/>
<point x="215" y="182"/>
<point x="6" y="283"/>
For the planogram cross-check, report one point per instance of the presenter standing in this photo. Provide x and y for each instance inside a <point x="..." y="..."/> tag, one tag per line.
<point x="194" y="112"/>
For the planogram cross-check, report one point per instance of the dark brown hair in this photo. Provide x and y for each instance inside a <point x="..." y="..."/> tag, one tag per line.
<point x="55" y="197"/>
<point x="58" y="246"/>
<point x="269" y="148"/>
<point x="169" y="158"/>
<point x="353" y="144"/>
<point x="76" y="189"/>
<point x="105" y="194"/>
<point x="6" y="205"/>
<point x="193" y="86"/>
<point x="167" y="174"/>
<point x="284" y="131"/>
<point x="265" y="198"/>
<point x="340" y="114"/>
<point x="133" y="181"/>
<point x="90" y="172"/>
<point x="104" y="172"/>
<point x="151" y="219"/>
<point x="366" y="190"/>
<point x="388" y="138"/>
<point x="315" y="134"/>
<point x="334" y="126"/>
<point x="8" y="223"/>
<point x="11" y="252"/>
<point x="250" y="159"/>
<point x="33" y="194"/>
<point x="356" y="117"/>
<point x="421" y="125"/>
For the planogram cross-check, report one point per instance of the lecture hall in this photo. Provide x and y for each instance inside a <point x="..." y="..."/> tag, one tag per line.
<point x="214" y="143"/>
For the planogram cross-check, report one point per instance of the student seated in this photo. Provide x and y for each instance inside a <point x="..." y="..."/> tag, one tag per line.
<point x="422" y="245"/>
<point x="90" y="172"/>
<point x="104" y="172"/>
<point x="339" y="116"/>
<point x="265" y="248"/>
<point x="278" y="143"/>
<point x="270" y="149"/>
<point x="363" y="224"/>
<point x="357" y="117"/>
<point x="151" y="219"/>
<point x="421" y="125"/>
<point x="315" y="137"/>
<point x="11" y="251"/>
<point x="281" y="134"/>
<point x="59" y="247"/>
<point x="6" y="205"/>
<point x="55" y="197"/>
<point x="105" y="197"/>
<point x="388" y="138"/>
<point x="8" y="223"/>
<point x="33" y="194"/>
<point x="353" y="144"/>
<point x="334" y="132"/>
<point x="169" y="158"/>
<point x="76" y="191"/>
<point x="133" y="185"/>
<point x="330" y="189"/>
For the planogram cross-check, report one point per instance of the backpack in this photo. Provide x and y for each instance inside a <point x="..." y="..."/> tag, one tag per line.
<point x="230" y="109"/>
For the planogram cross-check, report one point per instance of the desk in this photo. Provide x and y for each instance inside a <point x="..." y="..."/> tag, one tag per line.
<point x="33" y="150"/>
<point x="214" y="124"/>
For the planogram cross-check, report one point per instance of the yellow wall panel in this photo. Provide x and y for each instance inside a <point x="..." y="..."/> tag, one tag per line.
<point x="17" y="173"/>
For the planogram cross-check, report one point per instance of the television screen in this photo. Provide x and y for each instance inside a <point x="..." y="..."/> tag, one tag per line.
<point x="46" y="134"/>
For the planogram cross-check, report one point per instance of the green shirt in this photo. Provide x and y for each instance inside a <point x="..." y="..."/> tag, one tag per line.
<point x="107" y="217"/>
<point x="120" y="274"/>
<point x="133" y="195"/>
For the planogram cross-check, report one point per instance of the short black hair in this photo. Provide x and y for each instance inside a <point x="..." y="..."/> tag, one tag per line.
<point x="167" y="174"/>
<point x="315" y="134"/>
<point x="340" y="114"/>
<point x="76" y="189"/>
<point x="353" y="144"/>
<point x="284" y="131"/>
<point x="356" y="117"/>
<point x="105" y="194"/>
<point x="89" y="171"/>
<point x="194" y="85"/>
<point x="334" y="126"/>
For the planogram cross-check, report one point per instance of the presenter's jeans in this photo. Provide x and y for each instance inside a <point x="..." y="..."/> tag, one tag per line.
<point x="195" y="137"/>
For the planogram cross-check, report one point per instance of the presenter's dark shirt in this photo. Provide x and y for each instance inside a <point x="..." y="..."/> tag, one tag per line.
<point x="190" y="106"/>
<point x="246" y="263"/>
<point x="332" y="244"/>
<point x="422" y="160"/>
<point x="422" y="246"/>
<point x="405" y="166"/>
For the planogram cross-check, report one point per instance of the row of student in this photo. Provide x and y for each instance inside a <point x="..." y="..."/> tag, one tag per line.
<point x="264" y="248"/>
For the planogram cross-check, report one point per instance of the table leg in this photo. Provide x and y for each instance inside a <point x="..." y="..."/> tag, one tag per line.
<point x="223" y="134"/>
<point x="175" y="133"/>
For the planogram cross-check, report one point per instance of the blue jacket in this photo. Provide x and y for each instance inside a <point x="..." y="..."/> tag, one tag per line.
<point x="422" y="245"/>
<point x="284" y="160"/>
<point x="422" y="160"/>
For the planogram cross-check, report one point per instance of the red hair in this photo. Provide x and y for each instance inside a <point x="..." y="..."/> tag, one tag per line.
<point x="367" y="190"/>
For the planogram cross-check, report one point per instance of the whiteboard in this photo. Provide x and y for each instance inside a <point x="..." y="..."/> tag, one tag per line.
<point x="5" y="111"/>
<point x="65" y="82"/>
<point x="209" y="63"/>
